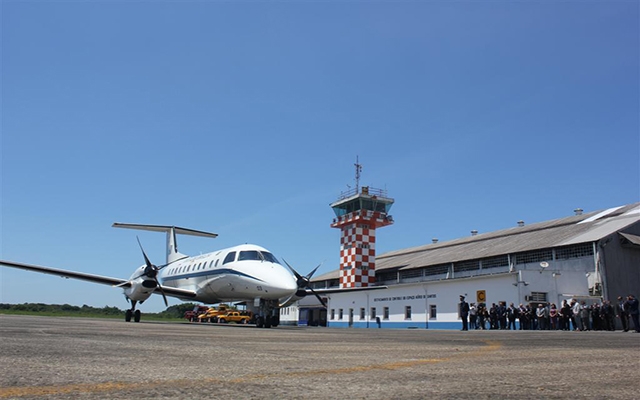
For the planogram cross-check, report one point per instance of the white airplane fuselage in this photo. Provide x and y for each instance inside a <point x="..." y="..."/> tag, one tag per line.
<point x="243" y="272"/>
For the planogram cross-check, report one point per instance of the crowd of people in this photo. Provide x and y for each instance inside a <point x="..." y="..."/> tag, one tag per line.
<point x="571" y="315"/>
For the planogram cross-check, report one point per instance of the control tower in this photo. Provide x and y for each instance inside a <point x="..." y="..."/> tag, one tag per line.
<point x="358" y="214"/>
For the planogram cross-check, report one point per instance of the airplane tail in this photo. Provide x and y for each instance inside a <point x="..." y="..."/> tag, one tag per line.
<point x="172" y="244"/>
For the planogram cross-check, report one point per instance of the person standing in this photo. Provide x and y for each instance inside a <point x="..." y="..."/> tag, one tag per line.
<point x="621" y="312"/>
<point x="564" y="315"/>
<point x="540" y="314"/>
<point x="606" y="315"/>
<point x="584" y="316"/>
<point x="522" y="316"/>
<point x="473" y="316"/>
<point x="464" y="313"/>
<point x="553" y="317"/>
<point x="512" y="315"/>
<point x="575" y="310"/>
<point x="634" y="312"/>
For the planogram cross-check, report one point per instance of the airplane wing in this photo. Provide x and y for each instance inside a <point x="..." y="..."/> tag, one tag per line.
<point x="104" y="280"/>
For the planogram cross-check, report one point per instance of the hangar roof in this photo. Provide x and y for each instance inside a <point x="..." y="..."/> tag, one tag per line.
<point x="588" y="227"/>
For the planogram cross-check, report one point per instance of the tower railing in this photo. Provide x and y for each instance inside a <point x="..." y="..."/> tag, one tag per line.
<point x="365" y="190"/>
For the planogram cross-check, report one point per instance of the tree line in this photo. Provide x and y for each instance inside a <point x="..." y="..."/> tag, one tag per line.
<point x="175" y="311"/>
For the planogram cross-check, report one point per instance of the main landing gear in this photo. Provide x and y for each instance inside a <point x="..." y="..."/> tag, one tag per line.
<point x="268" y="314"/>
<point x="132" y="313"/>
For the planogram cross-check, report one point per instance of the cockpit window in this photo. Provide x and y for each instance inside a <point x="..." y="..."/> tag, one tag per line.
<point x="270" y="257"/>
<point x="250" y="255"/>
<point x="257" y="256"/>
<point x="230" y="257"/>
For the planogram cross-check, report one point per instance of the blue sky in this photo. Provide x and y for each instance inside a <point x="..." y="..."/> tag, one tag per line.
<point x="245" y="119"/>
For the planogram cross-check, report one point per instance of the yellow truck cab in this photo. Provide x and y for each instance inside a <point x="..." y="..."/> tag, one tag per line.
<point x="212" y="313"/>
<point x="234" y="316"/>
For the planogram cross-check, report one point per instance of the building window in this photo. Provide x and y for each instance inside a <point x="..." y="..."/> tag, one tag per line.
<point x="407" y="312"/>
<point x="333" y="313"/>
<point x="538" y="297"/>
<point x="373" y="313"/>
<point x="471" y="265"/>
<point x="362" y="313"/>
<point x="495" y="262"/>
<point x="386" y="276"/>
<point x="576" y="251"/>
<point x="411" y="273"/>
<point x="437" y="269"/>
<point x="385" y="314"/>
<point x="340" y="313"/>
<point x="534" y="256"/>
<point x="433" y="311"/>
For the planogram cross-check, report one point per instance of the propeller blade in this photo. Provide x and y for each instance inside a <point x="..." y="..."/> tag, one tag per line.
<point x="146" y="259"/>
<point x="304" y="281"/>
<point x="310" y="274"/>
<point x="164" y="297"/>
<point x="297" y="275"/>
<point x="319" y="298"/>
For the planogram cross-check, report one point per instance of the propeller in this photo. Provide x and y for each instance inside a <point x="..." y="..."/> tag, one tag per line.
<point x="152" y="272"/>
<point x="304" y="282"/>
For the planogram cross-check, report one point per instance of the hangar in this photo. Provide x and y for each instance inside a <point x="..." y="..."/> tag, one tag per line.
<point x="592" y="255"/>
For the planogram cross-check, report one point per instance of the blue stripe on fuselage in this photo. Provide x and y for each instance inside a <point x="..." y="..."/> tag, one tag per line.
<point x="212" y="272"/>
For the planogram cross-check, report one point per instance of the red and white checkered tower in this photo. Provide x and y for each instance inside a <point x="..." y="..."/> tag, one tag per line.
<point x="358" y="215"/>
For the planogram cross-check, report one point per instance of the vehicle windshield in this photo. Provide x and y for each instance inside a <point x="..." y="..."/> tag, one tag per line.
<point x="257" y="256"/>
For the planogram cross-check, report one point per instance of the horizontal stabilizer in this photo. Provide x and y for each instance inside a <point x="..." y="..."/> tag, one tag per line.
<point x="165" y="228"/>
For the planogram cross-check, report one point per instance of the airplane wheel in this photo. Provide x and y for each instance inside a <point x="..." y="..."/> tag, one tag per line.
<point x="127" y="316"/>
<point x="136" y="316"/>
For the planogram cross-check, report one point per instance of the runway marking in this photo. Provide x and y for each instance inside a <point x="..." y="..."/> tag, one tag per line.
<point x="94" y="388"/>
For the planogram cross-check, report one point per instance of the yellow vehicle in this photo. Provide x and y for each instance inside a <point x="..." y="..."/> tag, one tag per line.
<point x="234" y="316"/>
<point x="213" y="313"/>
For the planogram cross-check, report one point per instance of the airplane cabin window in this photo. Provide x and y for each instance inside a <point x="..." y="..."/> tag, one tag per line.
<point x="217" y="262"/>
<point x="230" y="257"/>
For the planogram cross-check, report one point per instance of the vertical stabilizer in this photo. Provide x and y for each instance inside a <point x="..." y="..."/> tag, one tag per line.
<point x="172" y="244"/>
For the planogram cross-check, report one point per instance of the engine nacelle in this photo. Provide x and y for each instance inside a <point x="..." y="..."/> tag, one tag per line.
<point x="140" y="289"/>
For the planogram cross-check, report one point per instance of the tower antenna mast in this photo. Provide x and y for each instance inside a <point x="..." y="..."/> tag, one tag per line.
<point x="358" y="171"/>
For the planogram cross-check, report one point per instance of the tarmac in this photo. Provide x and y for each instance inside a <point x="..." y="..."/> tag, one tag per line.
<point x="80" y="358"/>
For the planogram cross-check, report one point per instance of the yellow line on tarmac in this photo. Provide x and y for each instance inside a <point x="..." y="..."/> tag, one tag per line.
<point x="105" y="387"/>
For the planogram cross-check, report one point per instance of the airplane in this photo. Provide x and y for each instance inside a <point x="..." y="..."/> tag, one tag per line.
<point x="242" y="273"/>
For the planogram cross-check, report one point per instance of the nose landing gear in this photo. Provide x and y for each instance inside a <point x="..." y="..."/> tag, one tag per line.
<point x="132" y="313"/>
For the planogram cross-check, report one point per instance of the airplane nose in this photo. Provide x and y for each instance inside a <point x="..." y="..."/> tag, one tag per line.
<point x="286" y="284"/>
